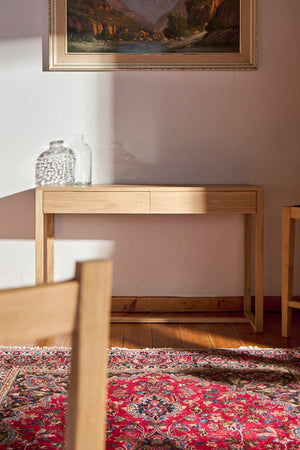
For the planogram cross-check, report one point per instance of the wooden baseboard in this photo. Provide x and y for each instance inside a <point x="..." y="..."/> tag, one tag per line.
<point x="187" y="304"/>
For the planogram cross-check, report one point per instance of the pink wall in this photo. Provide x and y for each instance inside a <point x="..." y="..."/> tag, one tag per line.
<point x="185" y="127"/>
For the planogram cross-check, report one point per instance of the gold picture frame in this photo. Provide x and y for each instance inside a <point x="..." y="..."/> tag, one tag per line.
<point x="63" y="60"/>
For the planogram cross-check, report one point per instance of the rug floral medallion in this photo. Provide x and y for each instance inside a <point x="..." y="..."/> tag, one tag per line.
<point x="159" y="399"/>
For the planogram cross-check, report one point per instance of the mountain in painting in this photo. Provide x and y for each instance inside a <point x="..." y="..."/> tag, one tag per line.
<point x="120" y="6"/>
<point x="104" y="20"/>
<point x="151" y="9"/>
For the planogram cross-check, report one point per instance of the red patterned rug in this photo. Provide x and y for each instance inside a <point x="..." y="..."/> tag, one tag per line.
<point x="159" y="399"/>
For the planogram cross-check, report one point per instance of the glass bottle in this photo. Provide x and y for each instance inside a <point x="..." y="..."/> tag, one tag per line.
<point x="55" y="165"/>
<point x="83" y="161"/>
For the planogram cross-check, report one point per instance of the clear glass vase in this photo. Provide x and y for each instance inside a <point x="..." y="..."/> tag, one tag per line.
<point x="55" y="165"/>
<point x="83" y="161"/>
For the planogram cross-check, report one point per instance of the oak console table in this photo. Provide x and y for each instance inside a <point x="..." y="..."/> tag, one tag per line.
<point x="143" y="199"/>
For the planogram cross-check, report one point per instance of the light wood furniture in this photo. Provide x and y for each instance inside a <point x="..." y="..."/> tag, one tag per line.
<point x="289" y="214"/>
<point x="143" y="199"/>
<point x="80" y="307"/>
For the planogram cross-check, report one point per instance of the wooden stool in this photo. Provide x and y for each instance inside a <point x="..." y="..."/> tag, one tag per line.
<point x="289" y="214"/>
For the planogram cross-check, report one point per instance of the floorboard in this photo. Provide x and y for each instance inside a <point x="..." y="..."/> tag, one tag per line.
<point x="117" y="334"/>
<point x="166" y="334"/>
<point x="137" y="335"/>
<point x="194" y="335"/>
<point x="200" y="335"/>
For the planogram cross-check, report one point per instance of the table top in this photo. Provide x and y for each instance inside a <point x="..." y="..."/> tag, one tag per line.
<point x="152" y="187"/>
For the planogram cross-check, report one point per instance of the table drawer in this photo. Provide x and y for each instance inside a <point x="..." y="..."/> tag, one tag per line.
<point x="96" y="202"/>
<point x="203" y="202"/>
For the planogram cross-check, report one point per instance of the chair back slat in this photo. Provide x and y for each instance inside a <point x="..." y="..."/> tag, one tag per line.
<point x="37" y="312"/>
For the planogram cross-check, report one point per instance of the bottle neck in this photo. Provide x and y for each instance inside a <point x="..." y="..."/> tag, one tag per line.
<point x="56" y="144"/>
<point x="79" y="137"/>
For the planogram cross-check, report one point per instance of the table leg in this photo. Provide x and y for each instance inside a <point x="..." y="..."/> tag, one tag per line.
<point x="40" y="275"/>
<point x="44" y="243"/>
<point x="259" y="262"/>
<point x="247" y="262"/>
<point x="287" y="265"/>
<point x="44" y="246"/>
<point x="47" y="263"/>
<point x="49" y="256"/>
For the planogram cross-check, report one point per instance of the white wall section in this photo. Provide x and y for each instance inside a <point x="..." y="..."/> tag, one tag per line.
<point x="153" y="127"/>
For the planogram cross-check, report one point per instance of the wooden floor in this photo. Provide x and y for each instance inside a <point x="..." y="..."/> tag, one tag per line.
<point x="202" y="335"/>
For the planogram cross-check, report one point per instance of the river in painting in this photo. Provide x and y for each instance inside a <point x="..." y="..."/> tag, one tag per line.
<point x="145" y="48"/>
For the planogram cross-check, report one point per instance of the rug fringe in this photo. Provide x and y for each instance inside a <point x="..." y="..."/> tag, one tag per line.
<point x="36" y="347"/>
<point x="206" y="348"/>
<point x="250" y="347"/>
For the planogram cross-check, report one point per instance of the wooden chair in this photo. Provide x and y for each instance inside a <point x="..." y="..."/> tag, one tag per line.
<point x="80" y="307"/>
<point x="289" y="214"/>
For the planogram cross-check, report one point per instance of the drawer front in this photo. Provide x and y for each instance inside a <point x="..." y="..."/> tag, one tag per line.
<point x="203" y="202"/>
<point x="96" y="202"/>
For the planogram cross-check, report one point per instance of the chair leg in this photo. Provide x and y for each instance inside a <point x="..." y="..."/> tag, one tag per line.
<point x="287" y="266"/>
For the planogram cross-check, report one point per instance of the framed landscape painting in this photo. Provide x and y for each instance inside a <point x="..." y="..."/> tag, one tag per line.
<point x="152" y="34"/>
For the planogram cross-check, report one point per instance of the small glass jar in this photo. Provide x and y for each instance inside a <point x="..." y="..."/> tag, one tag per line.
<point x="83" y="161"/>
<point x="55" y="165"/>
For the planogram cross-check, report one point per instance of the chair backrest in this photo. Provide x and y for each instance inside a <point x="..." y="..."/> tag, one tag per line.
<point x="80" y="307"/>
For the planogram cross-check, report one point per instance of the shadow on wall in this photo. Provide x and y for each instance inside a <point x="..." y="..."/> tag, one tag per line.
<point x="21" y="25"/>
<point x="17" y="240"/>
<point x="169" y="129"/>
<point x="17" y="216"/>
<point x="126" y="167"/>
